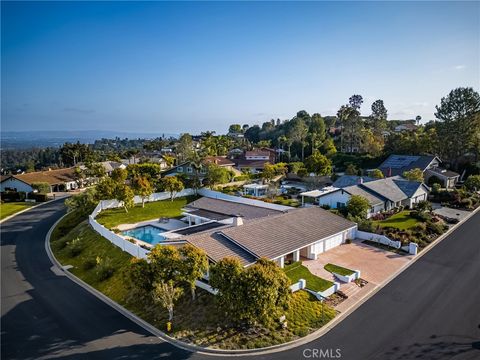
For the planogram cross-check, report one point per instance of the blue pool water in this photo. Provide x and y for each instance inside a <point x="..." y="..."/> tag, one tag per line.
<point x="148" y="233"/>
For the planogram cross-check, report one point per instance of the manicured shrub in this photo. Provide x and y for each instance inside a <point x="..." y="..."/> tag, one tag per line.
<point x="435" y="228"/>
<point x="326" y="207"/>
<point x="104" y="268"/>
<point x="74" y="247"/>
<point x="422" y="216"/>
<point x="89" y="264"/>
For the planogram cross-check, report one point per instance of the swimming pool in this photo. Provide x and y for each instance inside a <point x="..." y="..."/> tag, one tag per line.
<point x="148" y="233"/>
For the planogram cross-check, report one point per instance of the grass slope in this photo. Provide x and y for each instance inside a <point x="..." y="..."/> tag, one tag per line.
<point x="7" y="209"/>
<point x="198" y="321"/>
<point x="401" y="221"/>
<point x="153" y="210"/>
<point x="297" y="271"/>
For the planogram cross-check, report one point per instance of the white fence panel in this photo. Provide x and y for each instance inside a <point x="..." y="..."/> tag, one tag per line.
<point x="381" y="239"/>
<point x="206" y="287"/>
<point x="131" y="248"/>
<point x="221" y="196"/>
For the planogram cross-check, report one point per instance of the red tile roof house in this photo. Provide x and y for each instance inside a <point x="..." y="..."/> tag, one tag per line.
<point x="250" y="232"/>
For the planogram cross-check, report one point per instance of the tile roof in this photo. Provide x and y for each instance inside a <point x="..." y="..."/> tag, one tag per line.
<point x="256" y="164"/>
<point x="349" y="180"/>
<point x="274" y="236"/>
<point x="357" y="190"/>
<point x="219" y="160"/>
<point x="248" y="212"/>
<point x="443" y="172"/>
<point x="217" y="247"/>
<point x="393" y="188"/>
<point x="53" y="177"/>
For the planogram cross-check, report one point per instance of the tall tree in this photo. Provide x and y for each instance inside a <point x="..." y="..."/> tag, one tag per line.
<point x="193" y="266"/>
<point x="184" y="147"/>
<point x="142" y="187"/>
<point x="378" y="117"/>
<point x="318" y="164"/>
<point x="459" y="123"/>
<point x="299" y="133"/>
<point x="413" y="175"/>
<point x="166" y="294"/>
<point x="171" y="184"/>
<point x="349" y="116"/>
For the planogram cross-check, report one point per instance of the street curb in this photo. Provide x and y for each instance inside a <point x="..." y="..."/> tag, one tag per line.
<point x="27" y="209"/>
<point x="142" y="323"/>
<point x="232" y="353"/>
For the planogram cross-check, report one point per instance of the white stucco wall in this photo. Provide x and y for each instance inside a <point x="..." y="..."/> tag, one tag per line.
<point x="331" y="199"/>
<point x="13" y="183"/>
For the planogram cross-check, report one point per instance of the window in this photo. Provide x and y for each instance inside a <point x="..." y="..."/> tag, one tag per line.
<point x="189" y="170"/>
<point x="180" y="169"/>
<point x="340" y="205"/>
<point x="203" y="170"/>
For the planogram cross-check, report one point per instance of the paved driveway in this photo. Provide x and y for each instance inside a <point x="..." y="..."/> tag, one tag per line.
<point x="451" y="213"/>
<point x="375" y="264"/>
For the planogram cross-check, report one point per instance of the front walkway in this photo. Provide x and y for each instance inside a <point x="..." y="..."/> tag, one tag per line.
<point x="375" y="265"/>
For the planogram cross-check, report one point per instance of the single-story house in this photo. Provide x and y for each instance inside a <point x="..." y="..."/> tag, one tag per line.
<point x="429" y="164"/>
<point x="109" y="166"/>
<point x="188" y="169"/>
<point x="59" y="180"/>
<point x="382" y="194"/>
<point x="276" y="235"/>
<point x="447" y="178"/>
<point x="257" y="190"/>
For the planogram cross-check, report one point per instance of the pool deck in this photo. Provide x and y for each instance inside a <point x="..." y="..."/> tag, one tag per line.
<point x="172" y="224"/>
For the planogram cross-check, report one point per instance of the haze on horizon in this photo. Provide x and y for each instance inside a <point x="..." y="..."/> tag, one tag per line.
<point x="191" y="67"/>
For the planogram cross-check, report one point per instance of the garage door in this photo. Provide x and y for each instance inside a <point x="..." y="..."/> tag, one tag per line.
<point x="333" y="241"/>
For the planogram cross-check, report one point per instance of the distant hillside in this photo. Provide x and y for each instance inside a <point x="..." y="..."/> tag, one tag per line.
<point x="29" y="139"/>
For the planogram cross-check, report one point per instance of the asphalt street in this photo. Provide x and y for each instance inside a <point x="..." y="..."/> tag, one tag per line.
<point x="430" y="311"/>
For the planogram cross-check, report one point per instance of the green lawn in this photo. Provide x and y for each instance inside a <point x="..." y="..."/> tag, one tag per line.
<point x="338" y="269"/>
<point x="297" y="271"/>
<point x="7" y="209"/>
<point x="401" y="221"/>
<point x="199" y="321"/>
<point x="152" y="210"/>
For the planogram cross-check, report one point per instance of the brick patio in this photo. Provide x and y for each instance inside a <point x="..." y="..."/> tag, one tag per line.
<point x="375" y="264"/>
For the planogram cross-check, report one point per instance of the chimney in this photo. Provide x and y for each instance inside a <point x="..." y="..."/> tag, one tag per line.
<point x="237" y="220"/>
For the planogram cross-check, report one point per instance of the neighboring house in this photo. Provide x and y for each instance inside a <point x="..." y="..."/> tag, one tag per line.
<point x="276" y="235"/>
<point x="254" y="161"/>
<point x="382" y="194"/>
<point x="257" y="190"/>
<point x="349" y="180"/>
<point x="398" y="164"/>
<point x="447" y="178"/>
<point x="59" y="180"/>
<point x="188" y="169"/>
<point x="406" y="127"/>
<point x="109" y="166"/>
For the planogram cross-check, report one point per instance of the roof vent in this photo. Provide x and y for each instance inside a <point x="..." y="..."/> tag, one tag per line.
<point x="237" y="221"/>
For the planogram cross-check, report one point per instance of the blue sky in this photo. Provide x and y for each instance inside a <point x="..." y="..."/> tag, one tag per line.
<point x="188" y="67"/>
